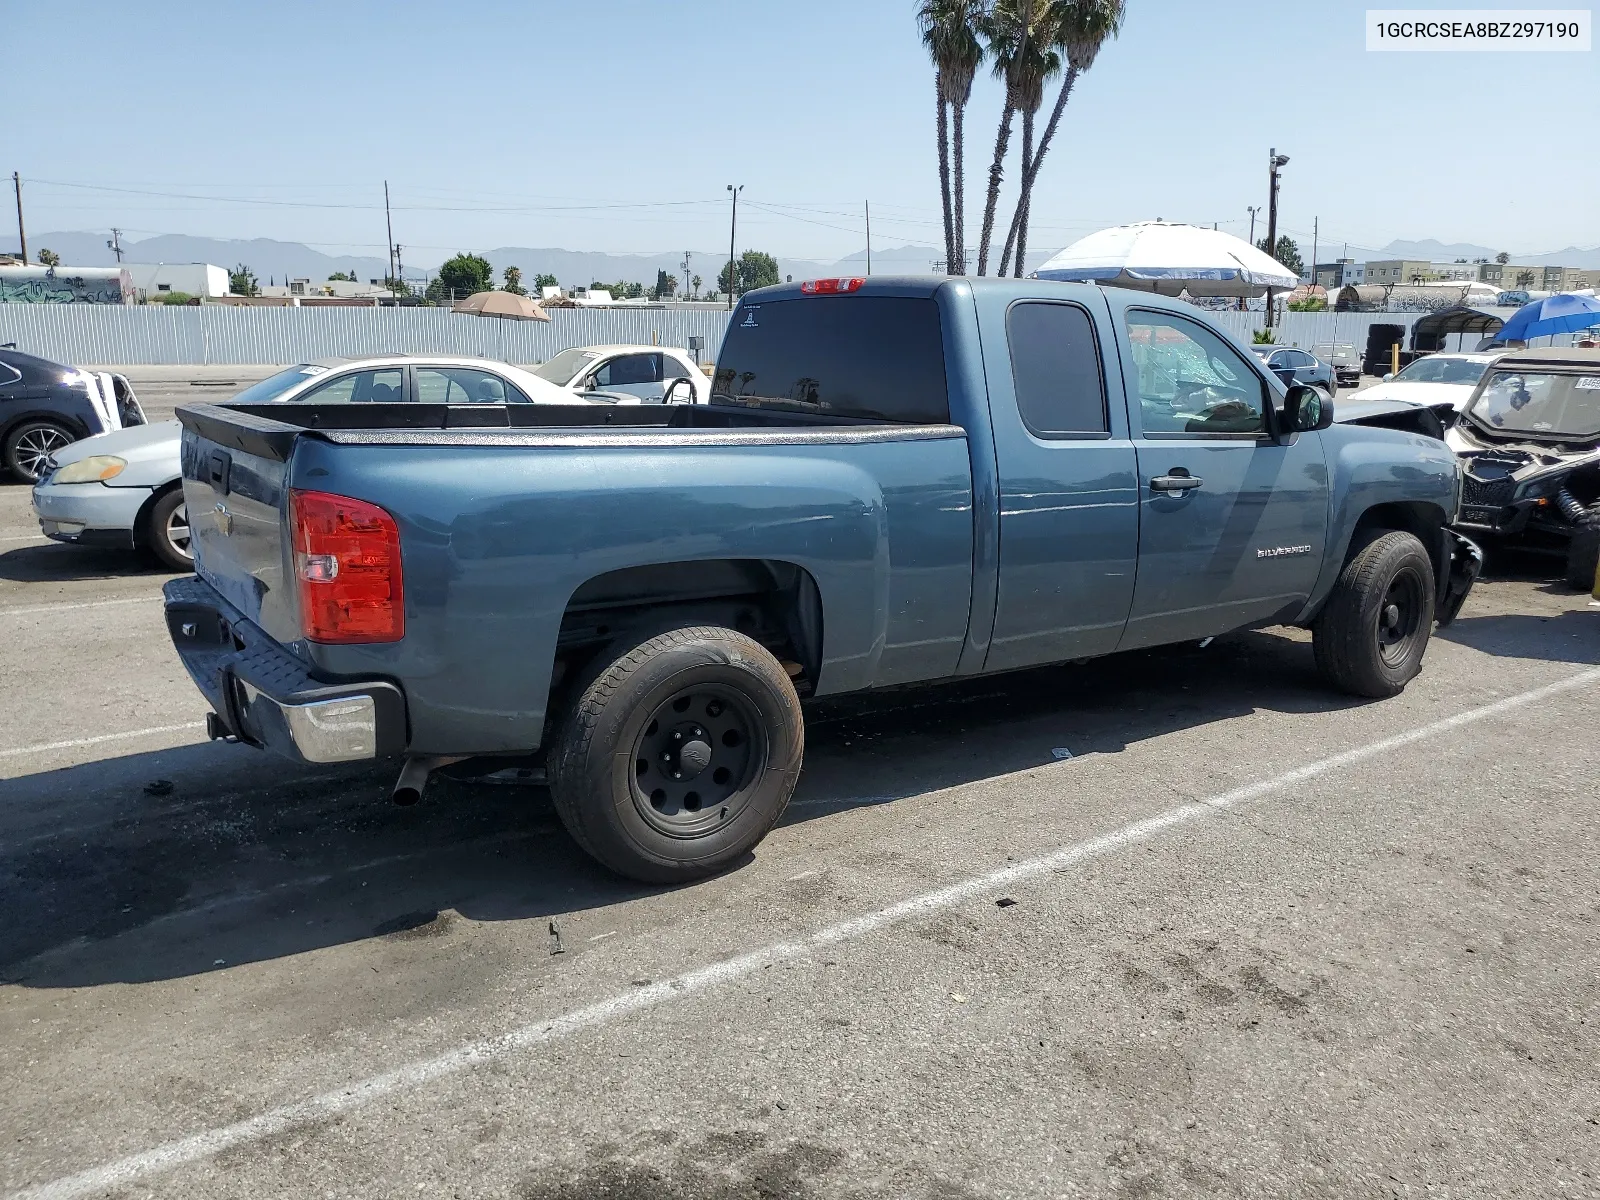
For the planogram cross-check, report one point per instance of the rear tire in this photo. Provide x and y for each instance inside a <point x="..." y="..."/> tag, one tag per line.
<point x="1371" y="634"/>
<point x="30" y="444"/>
<point x="679" y="755"/>
<point x="166" y="531"/>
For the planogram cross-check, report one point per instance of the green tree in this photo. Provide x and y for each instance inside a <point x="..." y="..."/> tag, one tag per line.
<point x="950" y="33"/>
<point x="514" y="281"/>
<point x="242" y="281"/>
<point x="461" y="276"/>
<point x="174" y="298"/>
<point x="756" y="269"/>
<point x="1078" y="29"/>
<point x="1502" y="258"/>
<point x="1023" y="62"/>
<point x="398" y="286"/>
<point x="695" y="283"/>
<point x="666" y="286"/>
<point x="545" y="280"/>
<point x="342" y="277"/>
<point x="1287" y="253"/>
<point x="49" y="258"/>
<point x="1524" y="279"/>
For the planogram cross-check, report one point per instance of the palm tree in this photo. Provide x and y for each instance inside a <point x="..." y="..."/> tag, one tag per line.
<point x="949" y="31"/>
<point x="1079" y="28"/>
<point x="1022" y="62"/>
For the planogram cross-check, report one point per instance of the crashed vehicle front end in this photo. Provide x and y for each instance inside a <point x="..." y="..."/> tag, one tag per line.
<point x="1529" y="443"/>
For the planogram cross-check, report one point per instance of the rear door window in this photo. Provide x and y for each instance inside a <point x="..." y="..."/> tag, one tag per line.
<point x="1055" y="363"/>
<point x="629" y="369"/>
<point x="464" y="385"/>
<point x="875" y="357"/>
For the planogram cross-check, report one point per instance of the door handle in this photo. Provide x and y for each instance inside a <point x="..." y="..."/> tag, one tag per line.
<point x="1175" y="482"/>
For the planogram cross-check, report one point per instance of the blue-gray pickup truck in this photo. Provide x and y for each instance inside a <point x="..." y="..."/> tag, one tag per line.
<point x="899" y="480"/>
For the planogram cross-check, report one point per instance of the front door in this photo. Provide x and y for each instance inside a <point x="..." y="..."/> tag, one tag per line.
<point x="1231" y="523"/>
<point x="634" y="374"/>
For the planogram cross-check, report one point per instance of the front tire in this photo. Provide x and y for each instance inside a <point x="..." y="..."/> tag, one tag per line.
<point x="166" y="531"/>
<point x="1583" y="552"/>
<point x="1371" y="634"/>
<point x="679" y="755"/>
<point x="30" y="445"/>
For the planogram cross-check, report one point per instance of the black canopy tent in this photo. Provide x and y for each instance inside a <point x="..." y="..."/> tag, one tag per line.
<point x="1430" y="330"/>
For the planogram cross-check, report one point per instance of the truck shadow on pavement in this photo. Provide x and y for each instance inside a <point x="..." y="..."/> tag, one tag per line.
<point x="55" y="562"/>
<point x="177" y="862"/>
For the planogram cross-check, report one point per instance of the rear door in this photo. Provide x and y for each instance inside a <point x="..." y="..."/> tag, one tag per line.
<point x="1069" y="501"/>
<point x="1231" y="524"/>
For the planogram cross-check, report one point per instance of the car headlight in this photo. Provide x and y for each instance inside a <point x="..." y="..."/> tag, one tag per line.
<point x="97" y="468"/>
<point x="75" y="379"/>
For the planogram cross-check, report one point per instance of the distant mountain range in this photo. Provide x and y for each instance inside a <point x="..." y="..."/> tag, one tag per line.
<point x="278" y="261"/>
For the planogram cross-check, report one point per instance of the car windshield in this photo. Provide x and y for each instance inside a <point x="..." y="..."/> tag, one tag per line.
<point x="564" y="367"/>
<point x="1540" y="404"/>
<point x="1443" y="370"/>
<point x="274" y="386"/>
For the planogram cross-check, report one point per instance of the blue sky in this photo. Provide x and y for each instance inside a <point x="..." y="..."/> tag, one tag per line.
<point x="615" y="126"/>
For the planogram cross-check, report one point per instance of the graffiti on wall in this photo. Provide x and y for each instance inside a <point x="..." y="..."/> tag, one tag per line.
<point x="40" y="285"/>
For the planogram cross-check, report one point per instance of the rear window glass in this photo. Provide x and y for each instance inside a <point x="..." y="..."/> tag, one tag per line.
<point x="877" y="357"/>
<point x="1056" y="365"/>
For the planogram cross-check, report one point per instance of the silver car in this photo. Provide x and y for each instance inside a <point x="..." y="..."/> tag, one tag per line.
<point x="124" y="490"/>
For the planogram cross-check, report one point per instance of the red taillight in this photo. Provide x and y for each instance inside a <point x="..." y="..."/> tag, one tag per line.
<point x="830" y="287"/>
<point x="347" y="567"/>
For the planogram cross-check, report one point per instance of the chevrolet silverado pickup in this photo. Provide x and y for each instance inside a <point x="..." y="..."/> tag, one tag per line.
<point x="898" y="481"/>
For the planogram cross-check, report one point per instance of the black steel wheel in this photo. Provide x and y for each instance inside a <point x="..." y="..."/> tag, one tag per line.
<point x="679" y="754"/>
<point x="1373" y="629"/>
<point x="696" y="759"/>
<point x="30" y="445"/>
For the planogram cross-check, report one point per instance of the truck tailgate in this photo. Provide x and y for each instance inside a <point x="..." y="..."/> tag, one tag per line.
<point x="236" y="493"/>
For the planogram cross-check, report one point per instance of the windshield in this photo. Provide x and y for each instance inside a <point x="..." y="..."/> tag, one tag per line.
<point x="1443" y="370"/>
<point x="565" y="367"/>
<point x="1540" y="404"/>
<point x="274" y="386"/>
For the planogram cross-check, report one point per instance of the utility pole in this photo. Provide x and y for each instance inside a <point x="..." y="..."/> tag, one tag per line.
<point x="389" y="225"/>
<point x="399" y="270"/>
<point x="868" y="205"/>
<point x="685" y="267"/>
<point x="115" y="244"/>
<point x="1274" y="162"/>
<point x="733" y="229"/>
<point x="22" y="234"/>
<point x="1316" y="224"/>
<point x="1253" y="210"/>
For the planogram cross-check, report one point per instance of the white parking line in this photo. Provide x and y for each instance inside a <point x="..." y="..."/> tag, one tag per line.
<point x="417" y="1074"/>
<point x="24" y="537"/>
<point x="104" y="737"/>
<point x="50" y="608"/>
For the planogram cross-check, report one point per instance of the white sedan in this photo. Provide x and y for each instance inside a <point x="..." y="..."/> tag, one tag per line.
<point x="1433" y="380"/>
<point x="124" y="490"/>
<point x="645" y="372"/>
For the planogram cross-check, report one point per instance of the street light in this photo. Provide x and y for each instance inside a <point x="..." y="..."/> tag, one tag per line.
<point x="733" y="228"/>
<point x="1275" y="161"/>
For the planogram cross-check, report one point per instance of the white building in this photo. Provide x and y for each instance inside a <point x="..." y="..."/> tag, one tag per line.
<point x="151" y="280"/>
<point x="343" y="288"/>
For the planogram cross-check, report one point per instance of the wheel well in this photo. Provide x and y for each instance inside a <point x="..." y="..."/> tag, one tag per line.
<point x="71" y="424"/>
<point x="150" y="502"/>
<point x="776" y="603"/>
<point x="1417" y="517"/>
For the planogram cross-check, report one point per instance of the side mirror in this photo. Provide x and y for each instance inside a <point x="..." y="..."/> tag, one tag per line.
<point x="1306" y="409"/>
<point x="679" y="391"/>
<point x="1386" y="378"/>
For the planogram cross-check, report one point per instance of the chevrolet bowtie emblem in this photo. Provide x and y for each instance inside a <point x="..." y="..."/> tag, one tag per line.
<point x="224" y="519"/>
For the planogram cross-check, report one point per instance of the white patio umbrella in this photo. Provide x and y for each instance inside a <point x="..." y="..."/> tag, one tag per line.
<point x="1169" y="258"/>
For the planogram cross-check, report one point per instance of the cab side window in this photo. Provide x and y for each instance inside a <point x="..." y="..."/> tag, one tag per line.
<point x="1055" y="363"/>
<point x="1191" y="381"/>
<point x="464" y="385"/>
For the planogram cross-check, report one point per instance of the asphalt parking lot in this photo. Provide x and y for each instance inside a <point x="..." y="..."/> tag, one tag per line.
<point x="1250" y="939"/>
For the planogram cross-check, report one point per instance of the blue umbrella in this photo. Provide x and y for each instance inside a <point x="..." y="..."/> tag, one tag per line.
<point x="1554" y="314"/>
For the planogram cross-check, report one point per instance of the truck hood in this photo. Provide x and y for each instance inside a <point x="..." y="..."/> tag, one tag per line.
<point x="1453" y="394"/>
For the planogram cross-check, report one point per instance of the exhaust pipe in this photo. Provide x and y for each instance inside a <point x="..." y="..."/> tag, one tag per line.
<point x="413" y="779"/>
